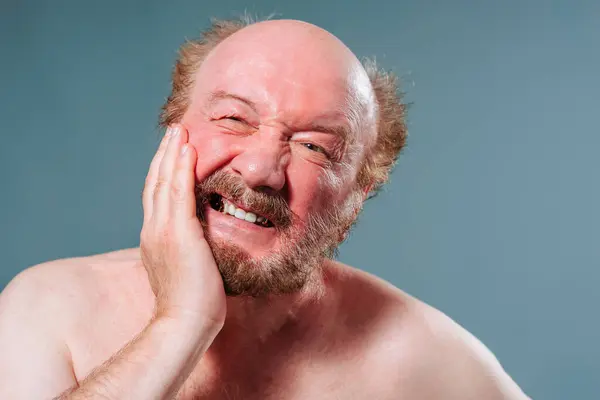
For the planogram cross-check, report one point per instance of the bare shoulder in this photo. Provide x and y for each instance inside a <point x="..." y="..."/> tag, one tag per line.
<point x="73" y="290"/>
<point x="70" y="276"/>
<point x="47" y="312"/>
<point x="414" y="345"/>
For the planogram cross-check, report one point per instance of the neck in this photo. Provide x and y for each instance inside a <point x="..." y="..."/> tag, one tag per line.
<point x="258" y="320"/>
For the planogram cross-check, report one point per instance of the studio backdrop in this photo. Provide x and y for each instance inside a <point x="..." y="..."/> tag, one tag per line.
<point x="492" y="214"/>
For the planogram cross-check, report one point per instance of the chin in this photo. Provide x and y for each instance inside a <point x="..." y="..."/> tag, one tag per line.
<point x="262" y="273"/>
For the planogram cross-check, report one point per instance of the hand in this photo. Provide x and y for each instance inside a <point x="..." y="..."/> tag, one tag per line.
<point x="180" y="265"/>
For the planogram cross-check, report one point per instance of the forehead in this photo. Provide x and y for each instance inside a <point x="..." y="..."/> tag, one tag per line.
<point x="289" y="75"/>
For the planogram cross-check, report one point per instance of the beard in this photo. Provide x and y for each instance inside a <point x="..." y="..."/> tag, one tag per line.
<point x="303" y="246"/>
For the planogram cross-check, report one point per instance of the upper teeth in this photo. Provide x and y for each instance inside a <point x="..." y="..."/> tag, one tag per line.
<point x="239" y="213"/>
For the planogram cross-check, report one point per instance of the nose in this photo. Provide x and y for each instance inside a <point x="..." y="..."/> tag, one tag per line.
<point x="262" y="162"/>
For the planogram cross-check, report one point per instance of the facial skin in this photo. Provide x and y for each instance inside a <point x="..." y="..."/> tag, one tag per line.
<point x="281" y="115"/>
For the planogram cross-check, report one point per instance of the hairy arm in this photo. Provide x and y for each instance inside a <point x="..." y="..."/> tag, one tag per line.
<point x="190" y="302"/>
<point x="35" y="361"/>
<point x="153" y="365"/>
<point x="189" y="296"/>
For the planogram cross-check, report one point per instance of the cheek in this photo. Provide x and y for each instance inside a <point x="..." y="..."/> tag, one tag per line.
<point x="213" y="150"/>
<point x="329" y="188"/>
<point x="309" y="189"/>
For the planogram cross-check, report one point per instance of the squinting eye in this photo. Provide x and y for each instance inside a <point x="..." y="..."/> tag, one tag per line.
<point x="314" y="147"/>
<point x="234" y="118"/>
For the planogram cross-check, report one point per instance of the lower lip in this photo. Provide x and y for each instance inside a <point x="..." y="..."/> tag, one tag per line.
<point x="214" y="217"/>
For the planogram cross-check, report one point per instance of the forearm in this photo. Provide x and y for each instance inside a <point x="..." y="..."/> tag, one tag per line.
<point x="154" y="365"/>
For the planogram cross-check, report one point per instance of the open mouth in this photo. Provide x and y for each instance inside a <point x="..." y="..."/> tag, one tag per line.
<point x="225" y="206"/>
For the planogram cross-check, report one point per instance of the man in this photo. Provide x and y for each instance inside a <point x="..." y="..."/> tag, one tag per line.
<point x="276" y="135"/>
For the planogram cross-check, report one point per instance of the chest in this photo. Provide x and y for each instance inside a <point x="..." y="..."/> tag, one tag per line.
<point x="336" y="370"/>
<point x="283" y="382"/>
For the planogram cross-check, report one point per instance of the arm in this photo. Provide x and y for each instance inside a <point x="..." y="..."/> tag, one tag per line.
<point x="34" y="362"/>
<point x="190" y="305"/>
<point x="190" y="299"/>
<point x="153" y="365"/>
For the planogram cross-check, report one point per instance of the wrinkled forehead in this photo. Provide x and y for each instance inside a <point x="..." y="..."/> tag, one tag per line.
<point x="289" y="77"/>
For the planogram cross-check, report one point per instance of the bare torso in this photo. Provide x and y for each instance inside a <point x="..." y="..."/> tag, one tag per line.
<point x="333" y="358"/>
<point x="364" y="340"/>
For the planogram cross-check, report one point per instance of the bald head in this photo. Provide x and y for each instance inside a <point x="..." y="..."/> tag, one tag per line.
<point x="292" y="64"/>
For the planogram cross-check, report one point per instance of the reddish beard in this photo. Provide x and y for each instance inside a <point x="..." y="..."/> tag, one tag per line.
<point x="303" y="245"/>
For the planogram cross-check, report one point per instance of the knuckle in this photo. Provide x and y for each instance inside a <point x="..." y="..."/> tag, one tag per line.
<point x="178" y="192"/>
<point x="164" y="235"/>
<point x="159" y="186"/>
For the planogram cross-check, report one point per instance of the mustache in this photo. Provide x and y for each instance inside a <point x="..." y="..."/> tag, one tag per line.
<point x="270" y="205"/>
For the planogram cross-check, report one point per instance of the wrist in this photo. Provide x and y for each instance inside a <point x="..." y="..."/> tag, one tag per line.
<point x="182" y="318"/>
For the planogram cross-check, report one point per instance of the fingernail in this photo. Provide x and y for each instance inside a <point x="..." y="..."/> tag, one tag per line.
<point x="175" y="131"/>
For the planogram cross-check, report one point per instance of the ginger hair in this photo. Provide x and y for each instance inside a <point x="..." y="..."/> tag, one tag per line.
<point x="379" y="160"/>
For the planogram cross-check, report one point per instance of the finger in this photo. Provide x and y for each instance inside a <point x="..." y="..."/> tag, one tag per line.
<point x="150" y="183"/>
<point x="182" y="195"/>
<point x="162" y="192"/>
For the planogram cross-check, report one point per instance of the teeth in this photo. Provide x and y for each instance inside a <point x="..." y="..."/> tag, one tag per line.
<point x="250" y="217"/>
<point x="229" y="208"/>
<point x="240" y="214"/>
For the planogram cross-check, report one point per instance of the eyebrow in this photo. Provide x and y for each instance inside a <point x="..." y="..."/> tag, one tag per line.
<point x="341" y="130"/>
<point x="219" y="95"/>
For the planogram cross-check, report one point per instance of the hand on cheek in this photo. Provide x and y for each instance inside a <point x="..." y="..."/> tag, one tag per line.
<point x="179" y="262"/>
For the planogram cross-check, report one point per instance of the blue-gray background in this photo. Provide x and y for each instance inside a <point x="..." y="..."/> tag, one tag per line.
<point x="491" y="216"/>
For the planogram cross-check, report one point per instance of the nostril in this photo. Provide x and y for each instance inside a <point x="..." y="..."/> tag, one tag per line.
<point x="260" y="169"/>
<point x="235" y="170"/>
<point x="266" y="189"/>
